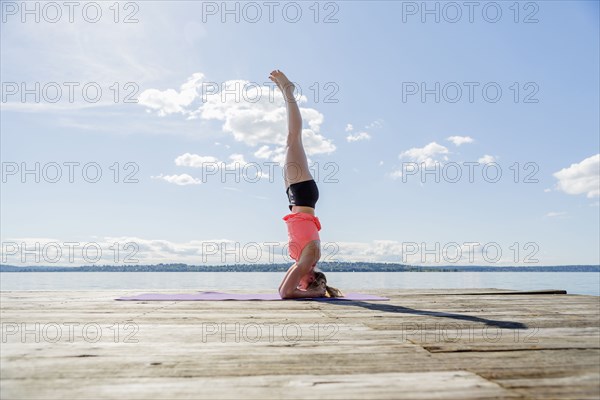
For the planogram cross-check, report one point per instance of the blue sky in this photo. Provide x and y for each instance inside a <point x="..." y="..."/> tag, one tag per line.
<point x="367" y="61"/>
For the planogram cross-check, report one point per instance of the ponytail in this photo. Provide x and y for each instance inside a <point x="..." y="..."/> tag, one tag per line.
<point x="333" y="292"/>
<point x="330" y="291"/>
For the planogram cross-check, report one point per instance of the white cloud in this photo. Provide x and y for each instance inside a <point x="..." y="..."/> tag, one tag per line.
<point x="357" y="137"/>
<point x="315" y="143"/>
<point x="396" y="174"/>
<point x="143" y="251"/>
<point x="194" y="160"/>
<point x="583" y="177"/>
<point x="208" y="252"/>
<point x="486" y="159"/>
<point x="170" y="101"/>
<point x="237" y="160"/>
<point x="237" y="164"/>
<point x="377" y="250"/>
<point x="253" y="115"/>
<point x="458" y="140"/>
<point x="182" y="180"/>
<point x="276" y="154"/>
<point x="279" y="156"/>
<point x="197" y="161"/>
<point x="420" y="253"/>
<point x="349" y="128"/>
<point x="378" y="123"/>
<point x="263" y="152"/>
<point x="553" y="214"/>
<point x="429" y="154"/>
<point x="205" y="252"/>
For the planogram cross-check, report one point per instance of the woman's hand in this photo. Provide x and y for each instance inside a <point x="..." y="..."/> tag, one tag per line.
<point x="311" y="292"/>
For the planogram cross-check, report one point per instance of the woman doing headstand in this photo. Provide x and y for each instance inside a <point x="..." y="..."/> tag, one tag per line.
<point x="302" y="279"/>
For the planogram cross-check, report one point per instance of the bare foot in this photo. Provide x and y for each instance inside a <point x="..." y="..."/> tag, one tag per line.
<point x="284" y="84"/>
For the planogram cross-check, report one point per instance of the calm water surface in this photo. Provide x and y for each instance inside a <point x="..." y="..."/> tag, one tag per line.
<point x="572" y="282"/>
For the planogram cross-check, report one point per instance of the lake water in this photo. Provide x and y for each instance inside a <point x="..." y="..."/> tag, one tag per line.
<point x="572" y="282"/>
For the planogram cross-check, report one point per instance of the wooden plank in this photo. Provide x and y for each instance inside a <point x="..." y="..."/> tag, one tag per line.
<point x="571" y="386"/>
<point x="439" y="385"/>
<point x="379" y="350"/>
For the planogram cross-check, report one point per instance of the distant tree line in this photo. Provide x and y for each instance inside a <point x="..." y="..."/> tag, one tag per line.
<point x="324" y="266"/>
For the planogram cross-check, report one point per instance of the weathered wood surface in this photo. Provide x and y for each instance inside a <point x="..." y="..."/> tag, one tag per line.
<point x="446" y="344"/>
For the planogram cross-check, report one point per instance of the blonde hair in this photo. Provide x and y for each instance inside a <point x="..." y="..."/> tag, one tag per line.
<point x="330" y="291"/>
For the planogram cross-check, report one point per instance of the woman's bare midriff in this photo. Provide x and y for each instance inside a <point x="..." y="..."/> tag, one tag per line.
<point x="304" y="209"/>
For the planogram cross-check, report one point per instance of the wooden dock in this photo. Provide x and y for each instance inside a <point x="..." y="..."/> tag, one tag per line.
<point x="423" y="344"/>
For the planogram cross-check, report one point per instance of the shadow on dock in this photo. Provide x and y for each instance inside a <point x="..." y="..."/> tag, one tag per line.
<point x="405" y="310"/>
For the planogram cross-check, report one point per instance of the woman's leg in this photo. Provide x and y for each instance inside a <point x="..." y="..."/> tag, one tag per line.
<point x="295" y="168"/>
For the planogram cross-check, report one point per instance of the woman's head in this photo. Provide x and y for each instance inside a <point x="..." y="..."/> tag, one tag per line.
<point x="319" y="279"/>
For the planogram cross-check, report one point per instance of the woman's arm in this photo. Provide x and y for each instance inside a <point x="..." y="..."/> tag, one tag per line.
<point x="285" y="277"/>
<point x="289" y="286"/>
<point x="298" y="294"/>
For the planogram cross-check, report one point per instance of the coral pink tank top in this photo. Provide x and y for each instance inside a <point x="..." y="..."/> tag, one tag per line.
<point x="302" y="229"/>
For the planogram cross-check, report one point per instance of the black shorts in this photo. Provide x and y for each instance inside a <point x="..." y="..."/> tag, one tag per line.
<point x="303" y="194"/>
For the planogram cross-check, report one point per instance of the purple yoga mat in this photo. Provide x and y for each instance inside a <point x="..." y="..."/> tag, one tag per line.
<point x="238" y="296"/>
